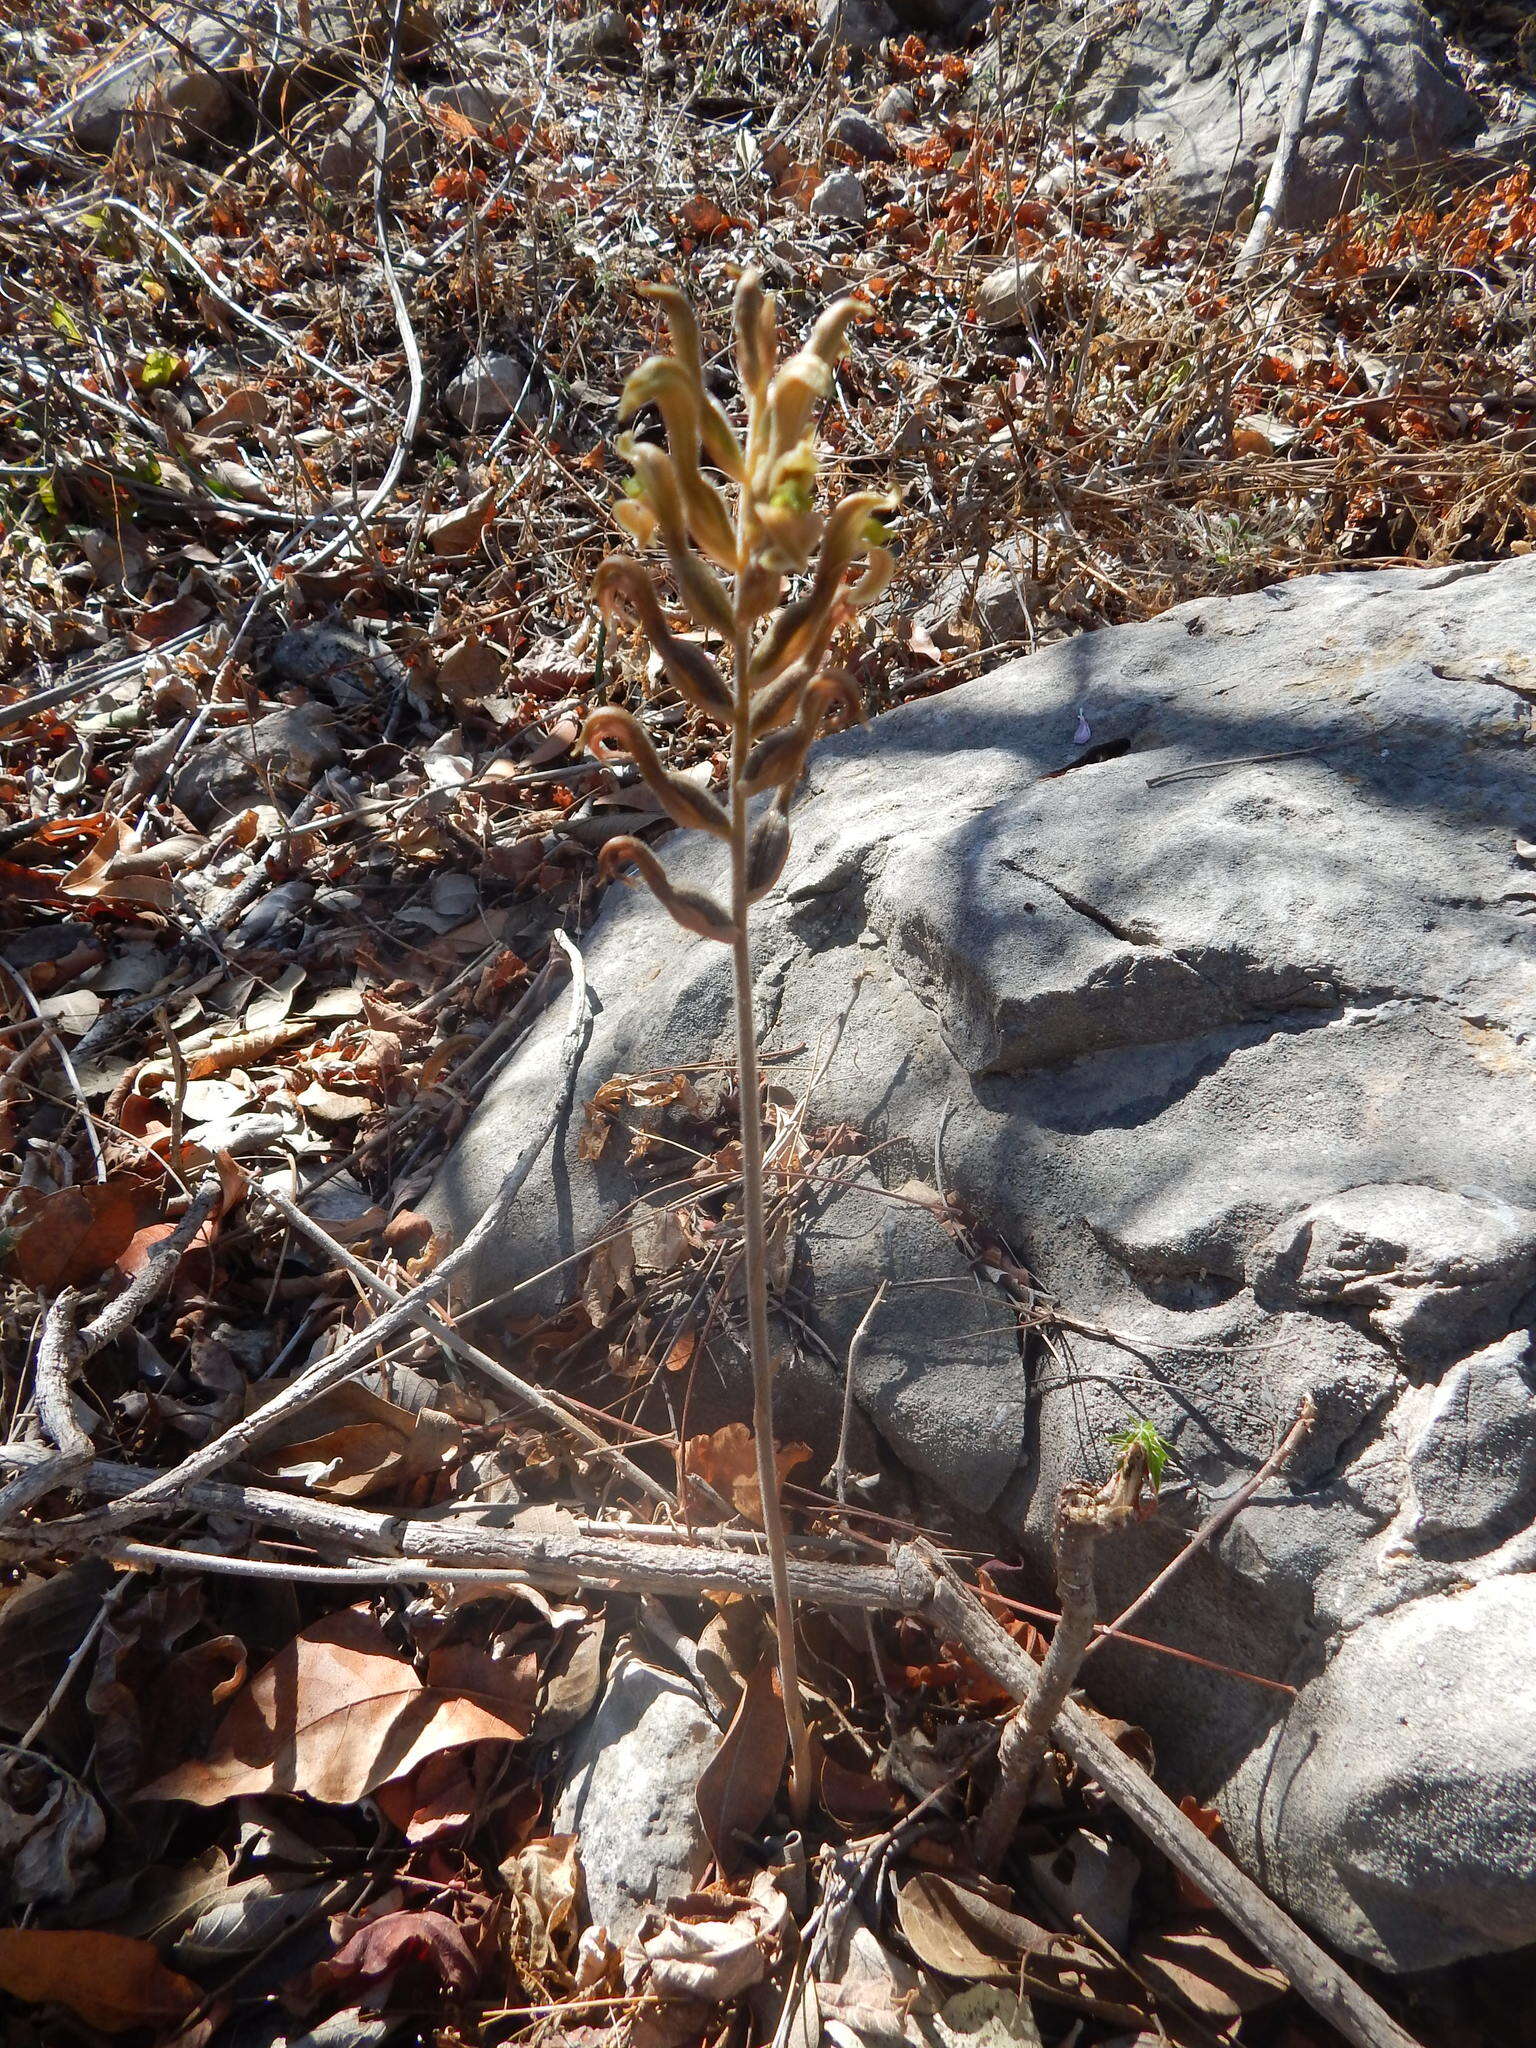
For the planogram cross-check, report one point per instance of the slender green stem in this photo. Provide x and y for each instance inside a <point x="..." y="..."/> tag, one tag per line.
<point x="755" y="1222"/>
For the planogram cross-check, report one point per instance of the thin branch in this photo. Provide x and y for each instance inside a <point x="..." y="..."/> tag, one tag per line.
<point x="428" y="1317"/>
<point x="1227" y="1513"/>
<point x="1083" y="1515"/>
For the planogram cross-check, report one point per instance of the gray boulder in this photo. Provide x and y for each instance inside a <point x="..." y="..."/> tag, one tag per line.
<point x="1206" y="945"/>
<point x="1209" y="85"/>
<point x="1432" y="1271"/>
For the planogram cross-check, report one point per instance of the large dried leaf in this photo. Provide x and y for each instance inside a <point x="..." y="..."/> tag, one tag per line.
<point x="340" y="1712"/>
<point x="355" y="1444"/>
<point x="1211" y="1973"/>
<point x="738" y="1785"/>
<point x="710" y="1948"/>
<point x="76" y="1234"/>
<point x="108" y="1980"/>
<point x="727" y="1461"/>
<point x="963" y="1932"/>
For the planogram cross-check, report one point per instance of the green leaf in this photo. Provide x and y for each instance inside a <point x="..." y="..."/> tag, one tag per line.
<point x="63" y="321"/>
<point x="47" y="495"/>
<point x="162" y="366"/>
<point x="1147" y="1437"/>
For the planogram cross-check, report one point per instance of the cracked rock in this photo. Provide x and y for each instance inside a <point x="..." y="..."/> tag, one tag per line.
<point x="1433" y="1273"/>
<point x="1238" y="1055"/>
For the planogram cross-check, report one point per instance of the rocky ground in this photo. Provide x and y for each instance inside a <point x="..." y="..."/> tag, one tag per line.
<point x="305" y="466"/>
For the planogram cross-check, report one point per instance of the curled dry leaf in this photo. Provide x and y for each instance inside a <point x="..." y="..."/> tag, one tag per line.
<point x="727" y="1461"/>
<point x="364" y="1445"/>
<point x="339" y="1712"/>
<point x="711" y="1948"/>
<point x="110" y="1981"/>
<point x="458" y="532"/>
<point x="544" y="1879"/>
<point x="50" y="1830"/>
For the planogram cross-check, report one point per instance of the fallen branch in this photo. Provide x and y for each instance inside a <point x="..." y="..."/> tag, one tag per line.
<point x="428" y="1318"/>
<point x="64" y="1349"/>
<point x="917" y="1582"/>
<point x="1278" y="184"/>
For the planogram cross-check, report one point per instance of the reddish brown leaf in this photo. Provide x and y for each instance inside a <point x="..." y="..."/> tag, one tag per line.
<point x="737" y="1786"/>
<point x="336" y="1714"/>
<point x="397" y="1941"/>
<point x="77" y="1233"/>
<point x="1208" y="1821"/>
<point x="107" y="1980"/>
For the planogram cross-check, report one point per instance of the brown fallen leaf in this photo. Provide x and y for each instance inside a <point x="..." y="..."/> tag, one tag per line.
<point x="108" y="1980"/>
<point x="405" y="1940"/>
<point x="361" y="1445"/>
<point x="963" y="1930"/>
<point x="1211" y="1973"/>
<point x="336" y="1714"/>
<point x="737" y="1787"/>
<point x="709" y="1947"/>
<point x="75" y="1235"/>
<point x="727" y="1461"/>
<point x="458" y="532"/>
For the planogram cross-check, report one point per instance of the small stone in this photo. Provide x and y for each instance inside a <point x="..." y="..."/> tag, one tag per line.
<point x="858" y="24"/>
<point x="630" y="1794"/>
<point x="490" y="388"/>
<point x="841" y="197"/>
<point x="604" y="34"/>
<point x="1011" y="294"/>
<point x="292" y="746"/>
<point x="493" y="111"/>
<point x="857" y="132"/>
<point x="897" y="109"/>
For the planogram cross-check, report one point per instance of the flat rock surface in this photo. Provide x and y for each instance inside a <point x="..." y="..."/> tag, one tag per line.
<point x="1197" y="936"/>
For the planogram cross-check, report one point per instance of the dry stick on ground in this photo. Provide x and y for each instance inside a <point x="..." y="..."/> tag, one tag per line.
<point x="1278" y="184"/>
<point x="1083" y="1514"/>
<point x="917" y="1582"/>
<point x="1208" y="1531"/>
<point x="64" y="1349"/>
<point x="357" y="1355"/>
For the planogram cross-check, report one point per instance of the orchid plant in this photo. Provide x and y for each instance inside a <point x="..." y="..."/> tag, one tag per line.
<point x="759" y="570"/>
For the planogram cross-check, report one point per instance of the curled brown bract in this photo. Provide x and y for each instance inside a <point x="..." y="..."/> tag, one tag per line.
<point x="683" y="801"/>
<point x="690" y="908"/>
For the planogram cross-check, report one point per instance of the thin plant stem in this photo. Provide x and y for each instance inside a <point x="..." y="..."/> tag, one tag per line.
<point x="756" y="1244"/>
